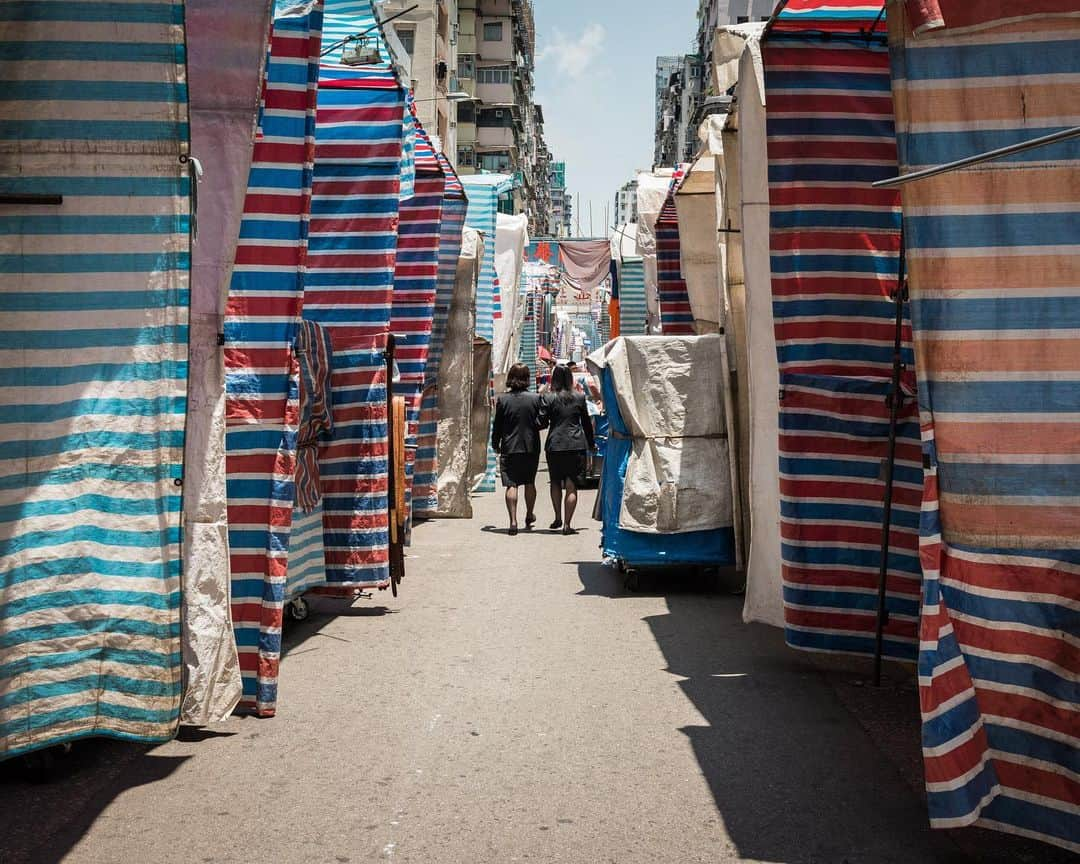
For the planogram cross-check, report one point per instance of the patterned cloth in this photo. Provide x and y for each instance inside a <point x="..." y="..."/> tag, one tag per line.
<point x="994" y="270"/>
<point x="676" y="316"/>
<point x="315" y="354"/>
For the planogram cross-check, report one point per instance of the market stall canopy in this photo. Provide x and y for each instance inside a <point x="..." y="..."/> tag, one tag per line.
<point x="585" y="263"/>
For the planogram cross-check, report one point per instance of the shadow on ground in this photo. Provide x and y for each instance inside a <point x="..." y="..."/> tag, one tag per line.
<point x="806" y="761"/>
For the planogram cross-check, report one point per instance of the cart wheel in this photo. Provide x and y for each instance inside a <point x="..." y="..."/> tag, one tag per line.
<point x="299" y="609"/>
<point x="631" y="580"/>
<point x="40" y="766"/>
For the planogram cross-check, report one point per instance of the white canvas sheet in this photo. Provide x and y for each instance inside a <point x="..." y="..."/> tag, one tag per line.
<point x="764" y="585"/>
<point x="455" y="393"/>
<point x="651" y="194"/>
<point x="511" y="238"/>
<point x="696" y="206"/>
<point x="226" y="47"/>
<point x="670" y="391"/>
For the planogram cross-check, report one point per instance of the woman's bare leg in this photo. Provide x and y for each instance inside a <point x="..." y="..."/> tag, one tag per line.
<point x="569" y="505"/>
<point x="511" y="504"/>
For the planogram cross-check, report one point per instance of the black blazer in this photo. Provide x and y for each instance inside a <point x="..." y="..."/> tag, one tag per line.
<point x="519" y="417"/>
<point x="569" y="423"/>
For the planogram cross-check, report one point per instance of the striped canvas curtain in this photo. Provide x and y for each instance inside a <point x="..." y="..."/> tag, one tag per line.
<point x="425" y="483"/>
<point x="633" y="307"/>
<point x="94" y="312"/>
<point x="835" y="246"/>
<point x="994" y="272"/>
<point x="415" y="281"/>
<point x="262" y="318"/>
<point x="676" y="316"/>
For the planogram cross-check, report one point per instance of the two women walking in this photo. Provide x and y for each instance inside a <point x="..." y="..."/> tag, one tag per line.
<point x="519" y="418"/>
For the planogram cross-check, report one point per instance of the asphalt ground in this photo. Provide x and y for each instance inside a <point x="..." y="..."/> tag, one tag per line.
<point x="517" y="703"/>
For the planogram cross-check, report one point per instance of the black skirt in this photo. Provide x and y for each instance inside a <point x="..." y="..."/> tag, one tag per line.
<point x="566" y="465"/>
<point x="519" y="469"/>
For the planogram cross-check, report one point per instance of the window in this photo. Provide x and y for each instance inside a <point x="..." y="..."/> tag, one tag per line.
<point x="494" y="161"/>
<point x="493" y="31"/>
<point x="466" y="112"/>
<point x="408" y="40"/>
<point x="466" y="157"/>
<point x="493" y="75"/>
<point x="466" y="66"/>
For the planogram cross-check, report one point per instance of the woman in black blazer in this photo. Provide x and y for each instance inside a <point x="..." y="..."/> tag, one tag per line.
<point x="570" y="440"/>
<point x="516" y="438"/>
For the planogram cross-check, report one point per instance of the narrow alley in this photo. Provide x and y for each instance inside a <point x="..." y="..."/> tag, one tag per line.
<point x="518" y="704"/>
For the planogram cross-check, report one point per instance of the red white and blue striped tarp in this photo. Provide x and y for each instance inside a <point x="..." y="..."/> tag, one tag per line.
<point x="994" y="261"/>
<point x="835" y="246"/>
<point x="94" y="293"/>
<point x="830" y="16"/>
<point x="262" y="318"/>
<point x="676" y="316"/>
<point x="415" y="278"/>
<point x="350" y="277"/>
<point x="425" y="483"/>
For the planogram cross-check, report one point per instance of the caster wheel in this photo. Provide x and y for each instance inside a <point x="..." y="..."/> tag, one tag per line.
<point x="40" y="766"/>
<point x="299" y="609"/>
<point x="632" y="582"/>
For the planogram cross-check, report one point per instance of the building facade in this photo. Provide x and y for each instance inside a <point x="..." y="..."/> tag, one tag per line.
<point x="676" y="140"/>
<point x="562" y="207"/>
<point x="501" y="128"/>
<point x="626" y="204"/>
<point x="428" y="37"/>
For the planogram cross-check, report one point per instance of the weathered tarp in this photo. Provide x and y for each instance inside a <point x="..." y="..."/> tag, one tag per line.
<point x="350" y="278"/>
<point x="93" y="363"/>
<point x="652" y="190"/>
<point x="835" y="246"/>
<point x="415" y="278"/>
<point x="630" y="270"/>
<point x="455" y="396"/>
<point x="585" y="263"/>
<point x="484" y="191"/>
<point x="676" y="316"/>
<point x="665" y="496"/>
<point x="511" y="238"/>
<point x="994" y="266"/>
<point x="425" y="488"/>
<point x="700" y="260"/>
<point x="226" y="45"/>
<point x="262" y="318"/>
<point x="737" y="54"/>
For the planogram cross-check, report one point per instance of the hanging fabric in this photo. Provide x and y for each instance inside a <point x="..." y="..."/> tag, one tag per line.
<point x="994" y="268"/>
<point x="262" y="320"/>
<point x="676" y="316"/>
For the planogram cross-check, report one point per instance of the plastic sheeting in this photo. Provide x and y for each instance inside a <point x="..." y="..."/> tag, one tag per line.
<point x="745" y="159"/>
<point x="455" y="394"/>
<point x="993" y="271"/>
<point x="586" y="264"/>
<point x="834" y="271"/>
<point x="670" y="393"/>
<point x="94" y="311"/>
<point x="511" y="238"/>
<point x="262" y="319"/>
<point x="226" y="58"/>
<point x="652" y="190"/>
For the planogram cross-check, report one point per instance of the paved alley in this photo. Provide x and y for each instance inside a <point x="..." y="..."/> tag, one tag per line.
<point x="515" y="704"/>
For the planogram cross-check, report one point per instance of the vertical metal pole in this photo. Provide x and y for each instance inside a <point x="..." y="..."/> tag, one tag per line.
<point x="896" y="399"/>
<point x="391" y="462"/>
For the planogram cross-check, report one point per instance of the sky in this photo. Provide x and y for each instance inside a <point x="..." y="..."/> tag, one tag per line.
<point x="596" y="62"/>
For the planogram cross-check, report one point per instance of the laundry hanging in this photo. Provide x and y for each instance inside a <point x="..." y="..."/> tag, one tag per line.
<point x="676" y="316"/>
<point x="415" y="279"/>
<point x="994" y="268"/>
<point x="94" y="309"/>
<point x="262" y="320"/>
<point x="428" y="455"/>
<point x="226" y="55"/>
<point x="835" y="260"/>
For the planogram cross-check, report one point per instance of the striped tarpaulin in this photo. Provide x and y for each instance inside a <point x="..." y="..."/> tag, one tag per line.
<point x="350" y="277"/>
<point x="484" y="191"/>
<point x="415" y="279"/>
<point x="93" y="360"/>
<point x="835" y="263"/>
<point x="425" y="484"/>
<point x="676" y="316"/>
<point x="262" y="319"/>
<point x="829" y="16"/>
<point x="633" y="307"/>
<point x="994" y="260"/>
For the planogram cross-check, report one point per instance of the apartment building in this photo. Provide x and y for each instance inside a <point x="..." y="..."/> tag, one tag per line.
<point x="626" y="206"/>
<point x="501" y="128"/>
<point x="676" y="139"/>
<point x="428" y="36"/>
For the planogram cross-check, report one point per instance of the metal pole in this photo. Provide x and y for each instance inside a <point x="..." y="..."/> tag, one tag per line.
<point x="979" y="158"/>
<point x="896" y="399"/>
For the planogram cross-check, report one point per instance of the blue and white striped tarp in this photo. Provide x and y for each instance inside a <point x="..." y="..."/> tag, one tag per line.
<point x="93" y="365"/>
<point x="633" y="308"/>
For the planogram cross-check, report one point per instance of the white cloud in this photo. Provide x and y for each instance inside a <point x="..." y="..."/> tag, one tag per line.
<point x="573" y="57"/>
